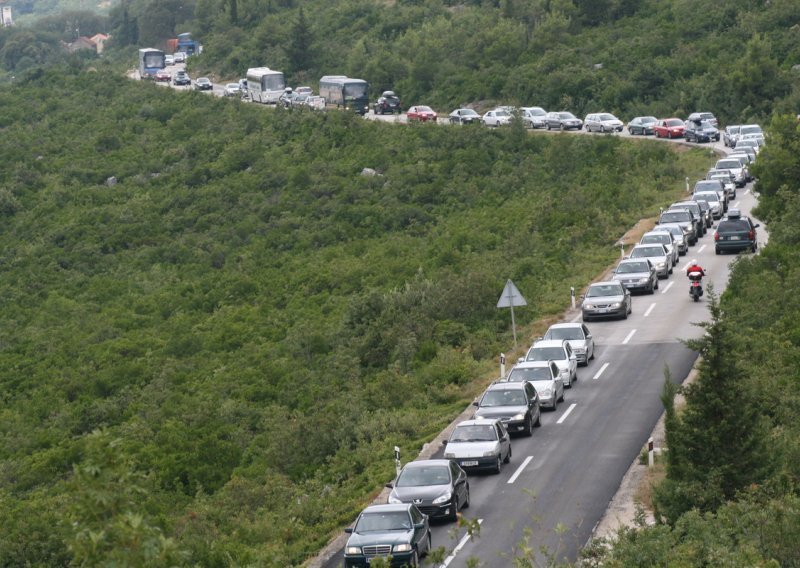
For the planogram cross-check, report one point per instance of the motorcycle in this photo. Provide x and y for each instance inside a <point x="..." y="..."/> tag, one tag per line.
<point x="695" y="286"/>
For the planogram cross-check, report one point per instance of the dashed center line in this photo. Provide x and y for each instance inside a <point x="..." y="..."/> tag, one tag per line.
<point x="628" y="338"/>
<point x="458" y="547"/>
<point x="650" y="309"/>
<point x="701" y="248"/>
<point x="564" y="416"/>
<point x="600" y="372"/>
<point x="514" y="477"/>
<point x="668" y="286"/>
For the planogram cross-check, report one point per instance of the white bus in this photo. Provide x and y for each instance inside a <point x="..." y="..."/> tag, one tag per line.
<point x="265" y="85"/>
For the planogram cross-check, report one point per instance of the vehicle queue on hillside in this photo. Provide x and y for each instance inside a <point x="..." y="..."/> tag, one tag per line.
<point x="425" y="490"/>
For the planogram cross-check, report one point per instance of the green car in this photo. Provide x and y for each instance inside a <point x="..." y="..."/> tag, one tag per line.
<point x="400" y="533"/>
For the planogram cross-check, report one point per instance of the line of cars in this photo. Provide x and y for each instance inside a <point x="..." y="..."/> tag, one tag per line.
<point x="439" y="488"/>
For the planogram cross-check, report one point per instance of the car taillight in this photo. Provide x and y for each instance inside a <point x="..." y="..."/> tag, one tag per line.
<point x="716" y="236"/>
<point x="751" y="235"/>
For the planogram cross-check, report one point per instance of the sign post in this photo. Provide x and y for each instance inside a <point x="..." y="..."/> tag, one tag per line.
<point x="397" y="460"/>
<point x="502" y="365"/>
<point x="508" y="299"/>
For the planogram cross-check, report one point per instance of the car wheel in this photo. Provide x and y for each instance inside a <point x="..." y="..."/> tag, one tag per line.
<point x="497" y="465"/>
<point x="508" y="457"/>
<point x="563" y="395"/>
<point x="430" y="544"/>
<point x="561" y="127"/>
<point x="538" y="419"/>
<point x="656" y="285"/>
<point x="592" y="357"/>
<point x="466" y="499"/>
<point x="414" y="562"/>
<point x="716" y="251"/>
<point x="555" y="403"/>
<point x="753" y="248"/>
<point x="528" y="431"/>
<point x="575" y="377"/>
<point x="602" y="130"/>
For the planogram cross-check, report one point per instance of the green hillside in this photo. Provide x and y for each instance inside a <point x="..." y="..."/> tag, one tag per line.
<point x="208" y="358"/>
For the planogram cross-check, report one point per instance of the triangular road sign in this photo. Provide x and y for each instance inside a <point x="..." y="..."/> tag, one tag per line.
<point x="511" y="296"/>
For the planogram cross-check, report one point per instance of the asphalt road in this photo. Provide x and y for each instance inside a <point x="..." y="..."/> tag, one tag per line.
<point x="567" y="472"/>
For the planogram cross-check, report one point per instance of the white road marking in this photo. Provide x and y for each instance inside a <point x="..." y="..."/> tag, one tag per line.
<point x="650" y="309"/>
<point x="736" y="205"/>
<point x="458" y="547"/>
<point x="628" y="338"/>
<point x="746" y="191"/>
<point x="514" y="477"/>
<point x="564" y="416"/>
<point x="664" y="291"/>
<point x="600" y="372"/>
<point x="701" y="248"/>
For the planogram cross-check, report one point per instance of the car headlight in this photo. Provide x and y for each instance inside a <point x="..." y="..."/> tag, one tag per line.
<point x="588" y="306"/>
<point x="661" y="264"/>
<point x="616" y="304"/>
<point x="443" y="498"/>
<point x="520" y="416"/>
<point x="393" y="499"/>
<point x="402" y="547"/>
<point x="579" y="349"/>
<point x="547" y="392"/>
<point x="489" y="454"/>
<point x="449" y="455"/>
<point x="352" y="550"/>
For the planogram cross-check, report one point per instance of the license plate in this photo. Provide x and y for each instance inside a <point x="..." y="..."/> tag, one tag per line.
<point x="602" y="310"/>
<point x="469" y="463"/>
<point x="735" y="237"/>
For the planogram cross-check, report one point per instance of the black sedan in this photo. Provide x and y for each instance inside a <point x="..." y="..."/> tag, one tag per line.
<point x="203" y="84"/>
<point x="439" y="488"/>
<point x="642" y="125"/>
<point x="464" y="116"/>
<point x="700" y="131"/>
<point x="401" y="532"/>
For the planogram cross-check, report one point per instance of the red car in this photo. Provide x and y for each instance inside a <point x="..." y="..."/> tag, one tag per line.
<point x="669" y="128"/>
<point x="421" y="113"/>
<point x="162" y="76"/>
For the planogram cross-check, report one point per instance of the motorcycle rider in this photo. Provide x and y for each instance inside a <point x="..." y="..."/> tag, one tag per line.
<point x="698" y="271"/>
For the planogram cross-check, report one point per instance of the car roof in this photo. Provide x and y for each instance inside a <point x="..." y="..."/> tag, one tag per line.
<point x="426" y="463"/>
<point x="508" y="385"/>
<point x="567" y="324"/>
<point x="633" y="260"/>
<point x="548" y="343"/>
<point x="478" y="422"/>
<point x="387" y="508"/>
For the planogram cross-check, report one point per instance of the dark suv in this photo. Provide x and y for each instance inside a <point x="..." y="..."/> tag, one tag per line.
<point x="388" y="103"/>
<point x="515" y="404"/>
<point x="735" y="233"/>
<point x="700" y="131"/>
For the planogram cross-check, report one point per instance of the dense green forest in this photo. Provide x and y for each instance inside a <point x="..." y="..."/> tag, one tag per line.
<point x="208" y="358"/>
<point x="733" y="465"/>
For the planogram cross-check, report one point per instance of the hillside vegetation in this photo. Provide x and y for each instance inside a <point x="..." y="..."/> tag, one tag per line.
<point x="208" y="358"/>
<point x="630" y="57"/>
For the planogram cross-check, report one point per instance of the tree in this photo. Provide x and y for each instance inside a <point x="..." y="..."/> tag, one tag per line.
<point x="717" y="446"/>
<point x="301" y="53"/>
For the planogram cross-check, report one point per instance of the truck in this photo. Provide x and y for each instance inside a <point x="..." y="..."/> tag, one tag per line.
<point x="184" y="43"/>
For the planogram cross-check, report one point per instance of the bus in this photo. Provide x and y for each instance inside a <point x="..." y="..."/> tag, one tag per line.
<point x="345" y="92"/>
<point x="265" y="85"/>
<point x="150" y="62"/>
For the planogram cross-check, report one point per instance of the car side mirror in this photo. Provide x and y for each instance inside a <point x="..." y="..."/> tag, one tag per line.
<point x="419" y="525"/>
<point x="349" y="530"/>
<point x="757" y="225"/>
<point x="474" y="403"/>
<point x="389" y="486"/>
<point x="444" y="442"/>
<point x="521" y="360"/>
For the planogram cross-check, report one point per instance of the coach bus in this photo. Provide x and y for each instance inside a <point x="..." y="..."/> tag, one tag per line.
<point x="150" y="62"/>
<point x="345" y="92"/>
<point x="265" y="85"/>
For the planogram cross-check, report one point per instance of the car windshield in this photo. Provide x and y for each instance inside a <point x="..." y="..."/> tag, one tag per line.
<point x="642" y="252"/>
<point x="721" y="177"/>
<point x="501" y="113"/>
<point x="503" y="398"/>
<point x="424" y="475"/>
<point x="536" y="112"/>
<point x="750" y="129"/>
<point x="632" y="267"/>
<point x="706" y="125"/>
<point x="424" y="109"/>
<point x="660" y="239"/>
<point x="603" y="290"/>
<point x="474" y="433"/>
<point x="468" y="112"/>
<point x="649" y="119"/>
<point x="564" y="333"/>
<point x="566" y="115"/>
<point x="530" y="374"/>
<point x="728" y="165"/>
<point x="546" y="354"/>
<point x="707" y="186"/>
<point x="607" y="117"/>
<point x="674" y="122"/>
<point x="676" y="217"/>
<point x="380" y="522"/>
<point x="232" y="86"/>
<point x="355" y="90"/>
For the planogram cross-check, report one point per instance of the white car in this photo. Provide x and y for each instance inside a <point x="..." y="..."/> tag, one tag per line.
<point x="169" y="60"/>
<point x="497" y="117"/>
<point x="546" y="378"/>
<point x="179" y="57"/>
<point x="602" y="122"/>
<point x="665" y="238"/>
<point x="482" y="443"/>
<point x="578" y="336"/>
<point x="558" y="351"/>
<point x="533" y="117"/>
<point x="657" y="254"/>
